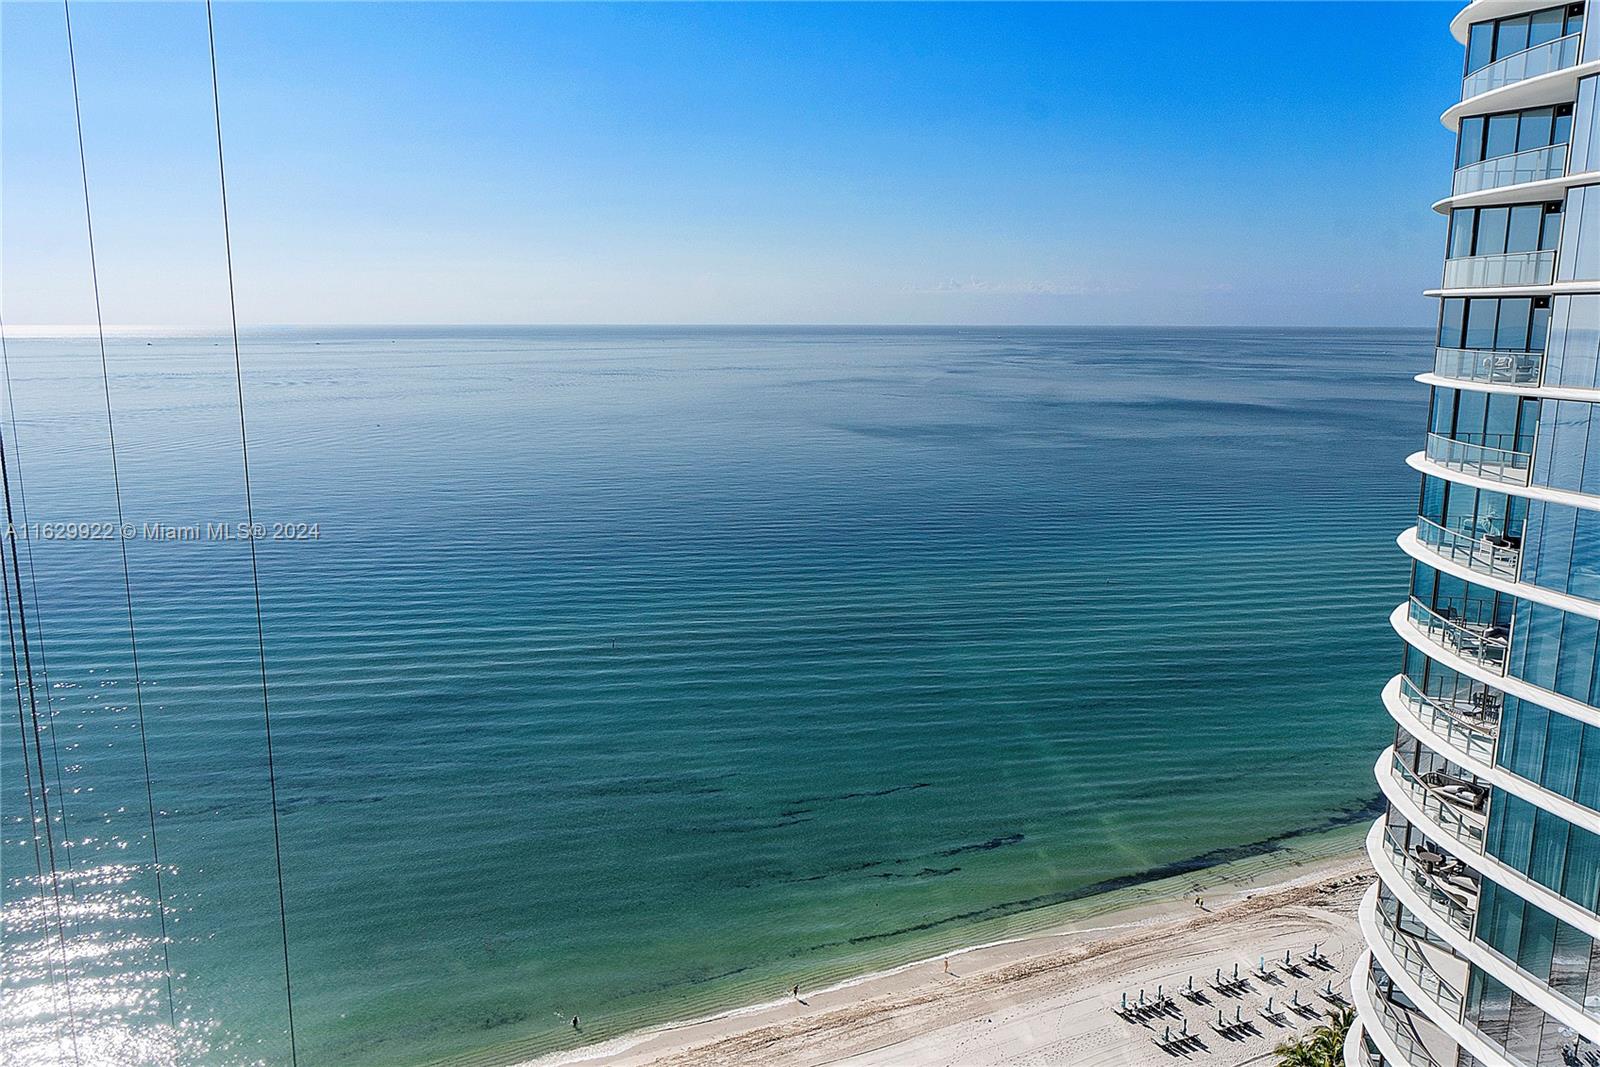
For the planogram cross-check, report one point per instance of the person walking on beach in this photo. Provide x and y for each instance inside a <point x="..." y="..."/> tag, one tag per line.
<point x="795" y="992"/>
<point x="947" y="965"/>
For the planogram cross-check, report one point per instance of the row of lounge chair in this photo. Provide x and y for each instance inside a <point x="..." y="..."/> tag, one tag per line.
<point x="1143" y="1008"/>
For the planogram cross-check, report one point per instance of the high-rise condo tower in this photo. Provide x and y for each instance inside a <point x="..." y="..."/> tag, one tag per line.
<point x="1483" y="930"/>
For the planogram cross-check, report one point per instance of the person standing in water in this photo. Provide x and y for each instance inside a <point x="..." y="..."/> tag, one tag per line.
<point x="574" y="1022"/>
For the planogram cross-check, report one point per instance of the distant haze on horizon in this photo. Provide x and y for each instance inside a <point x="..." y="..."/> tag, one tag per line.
<point x="509" y="164"/>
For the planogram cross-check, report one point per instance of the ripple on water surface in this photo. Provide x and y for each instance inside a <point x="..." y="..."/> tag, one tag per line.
<point x="638" y="673"/>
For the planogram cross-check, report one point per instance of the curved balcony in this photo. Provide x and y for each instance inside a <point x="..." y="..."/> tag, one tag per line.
<point x="1484" y="643"/>
<point x="1440" y="821"/>
<point x="1486" y="461"/>
<point x="1468" y="721"/>
<point x="1506" y="269"/>
<point x="1449" y="887"/>
<point x="1359" y="1050"/>
<point x="1422" y="965"/>
<point x="1482" y="10"/>
<point x="1488" y="365"/>
<point x="1500" y="556"/>
<point x="1423" y="464"/>
<point x="1520" y="66"/>
<point x="1396" y="1032"/>
<point x="1444" y="955"/>
<point x="1517" y="168"/>
<point x="1447" y="952"/>
<point x="1466" y="747"/>
<point x="1455" y="805"/>
<point x="1508" y="684"/>
<point x="1447" y="947"/>
<point x="1430" y="974"/>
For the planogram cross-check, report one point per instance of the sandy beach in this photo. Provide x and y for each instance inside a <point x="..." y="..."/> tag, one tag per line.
<point x="1052" y="998"/>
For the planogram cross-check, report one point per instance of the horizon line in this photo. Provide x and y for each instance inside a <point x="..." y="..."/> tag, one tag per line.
<point x="45" y="330"/>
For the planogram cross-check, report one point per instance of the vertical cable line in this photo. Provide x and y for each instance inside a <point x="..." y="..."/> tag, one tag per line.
<point x="122" y="539"/>
<point x="38" y="752"/>
<point x="27" y="772"/>
<point x="250" y="539"/>
<point x="38" y="617"/>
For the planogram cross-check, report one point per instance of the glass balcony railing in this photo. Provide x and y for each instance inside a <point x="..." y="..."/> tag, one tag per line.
<point x="1480" y="641"/>
<point x="1529" y="165"/>
<point x="1444" y="804"/>
<point x="1488" y="365"/>
<point x="1499" y="556"/>
<point x="1482" y="459"/>
<point x="1397" y="1026"/>
<point x="1415" y="963"/>
<point x="1464" y="723"/>
<point x="1520" y="66"/>
<point x="1447" y="884"/>
<point x="1508" y="268"/>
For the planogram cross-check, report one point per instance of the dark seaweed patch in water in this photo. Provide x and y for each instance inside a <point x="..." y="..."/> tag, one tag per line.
<point x="1216" y="857"/>
<point x="899" y="861"/>
<point x="746" y="826"/>
<point x="983" y="846"/>
<point x="868" y="793"/>
<point x="790" y="878"/>
<point x="502" y="1017"/>
<point x="926" y="872"/>
<point x="650" y="785"/>
<point x="291" y="805"/>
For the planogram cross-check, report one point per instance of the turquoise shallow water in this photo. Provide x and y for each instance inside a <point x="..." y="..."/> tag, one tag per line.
<point x="639" y="673"/>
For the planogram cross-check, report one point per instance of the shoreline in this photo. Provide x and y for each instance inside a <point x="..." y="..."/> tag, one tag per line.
<point x="912" y="1004"/>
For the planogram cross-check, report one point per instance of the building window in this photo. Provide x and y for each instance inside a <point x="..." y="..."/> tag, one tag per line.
<point x="1489" y="41"/>
<point x="1473" y="513"/>
<point x="1517" y="324"/>
<point x="1487" y="136"/>
<point x="1495" y="420"/>
<point x="1494" y="231"/>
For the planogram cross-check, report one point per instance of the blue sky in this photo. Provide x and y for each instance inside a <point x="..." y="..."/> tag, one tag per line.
<point x="1240" y="163"/>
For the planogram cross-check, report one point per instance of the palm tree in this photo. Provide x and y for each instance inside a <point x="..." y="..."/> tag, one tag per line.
<point x="1321" y="1046"/>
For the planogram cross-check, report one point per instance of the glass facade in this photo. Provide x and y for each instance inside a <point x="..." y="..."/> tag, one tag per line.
<point x="1561" y="549"/>
<point x="1468" y="697"/>
<point x="1572" y="357"/>
<point x="1493" y="231"/>
<point x="1494" y="420"/>
<point x="1496" y="759"/>
<point x="1462" y="601"/>
<point x="1517" y="1025"/>
<point x="1515" y="324"/>
<point x="1551" y="952"/>
<point x="1585" y="126"/>
<point x="1476" y="513"/>
<point x="1556" y="650"/>
<point x="1568" y="449"/>
<point x="1580" y="258"/>
<point x="1563" y="858"/>
<point x="1491" y="136"/>
<point x="1551" y="751"/>
<point x="1497" y="39"/>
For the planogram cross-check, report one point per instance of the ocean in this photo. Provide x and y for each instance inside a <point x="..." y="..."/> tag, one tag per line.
<point x="641" y="673"/>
